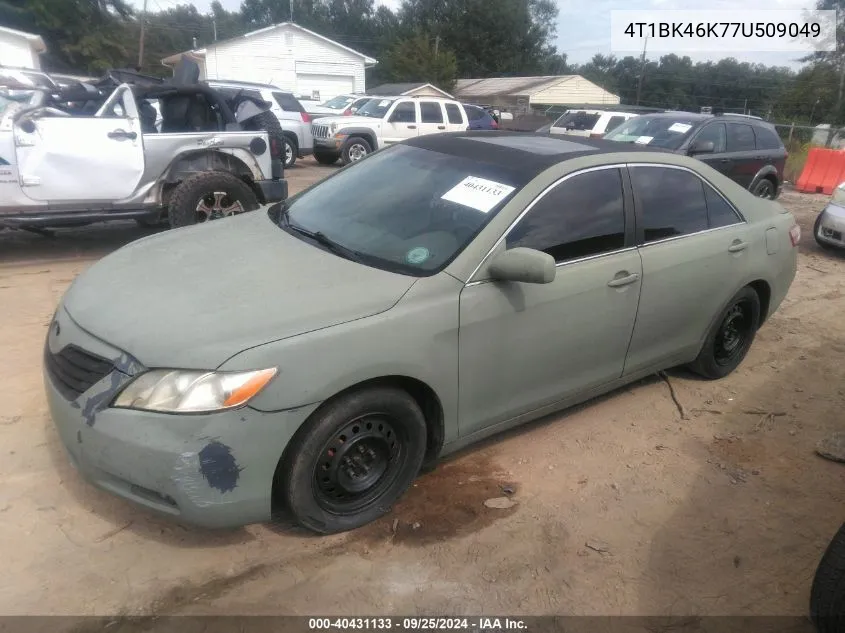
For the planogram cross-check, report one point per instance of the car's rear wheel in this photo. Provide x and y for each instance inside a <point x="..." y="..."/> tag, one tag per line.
<point x="209" y="196"/>
<point x="354" y="150"/>
<point x="353" y="459"/>
<point x="827" y="595"/>
<point x="731" y="336"/>
<point x="290" y="152"/>
<point x="765" y="189"/>
<point x="326" y="158"/>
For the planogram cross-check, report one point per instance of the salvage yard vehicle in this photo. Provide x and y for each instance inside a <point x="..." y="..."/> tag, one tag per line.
<point x="200" y="162"/>
<point x="829" y="228"/>
<point x="381" y="122"/>
<point x="744" y="148"/>
<point x="593" y="123"/>
<point x="443" y="290"/>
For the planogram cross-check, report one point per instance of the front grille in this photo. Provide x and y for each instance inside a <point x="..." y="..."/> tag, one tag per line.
<point x="836" y="235"/>
<point x="74" y="370"/>
<point x="320" y="131"/>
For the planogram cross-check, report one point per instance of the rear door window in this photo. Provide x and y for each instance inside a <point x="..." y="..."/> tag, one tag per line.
<point x="577" y="121"/>
<point x="454" y="113"/>
<point x="718" y="210"/>
<point x="671" y="202"/>
<point x="740" y="138"/>
<point x="766" y="138"/>
<point x="430" y="112"/>
<point x="615" y="121"/>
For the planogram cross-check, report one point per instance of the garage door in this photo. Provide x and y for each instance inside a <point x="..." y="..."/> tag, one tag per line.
<point x="327" y="85"/>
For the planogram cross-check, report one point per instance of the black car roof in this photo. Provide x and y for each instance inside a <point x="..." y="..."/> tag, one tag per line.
<point x="523" y="152"/>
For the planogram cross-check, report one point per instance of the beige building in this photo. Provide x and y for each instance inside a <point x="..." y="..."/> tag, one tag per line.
<point x="530" y="92"/>
<point x="410" y="89"/>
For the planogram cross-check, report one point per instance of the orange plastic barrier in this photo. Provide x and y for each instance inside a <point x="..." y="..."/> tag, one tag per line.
<point x="823" y="171"/>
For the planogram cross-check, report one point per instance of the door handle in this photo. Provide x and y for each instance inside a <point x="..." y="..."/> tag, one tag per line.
<point x="412" y="127"/>
<point x="736" y="247"/>
<point x="441" y="127"/>
<point x="122" y="134"/>
<point x="618" y="282"/>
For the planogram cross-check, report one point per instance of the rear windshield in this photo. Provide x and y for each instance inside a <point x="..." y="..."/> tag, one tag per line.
<point x="376" y="108"/>
<point x="416" y="229"/>
<point x="661" y="131"/>
<point x="288" y="102"/>
<point x="577" y="121"/>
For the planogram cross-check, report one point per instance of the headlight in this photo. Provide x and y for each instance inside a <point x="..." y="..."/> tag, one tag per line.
<point x="839" y="195"/>
<point x="188" y="391"/>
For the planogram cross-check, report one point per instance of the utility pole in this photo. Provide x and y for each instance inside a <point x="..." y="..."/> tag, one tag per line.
<point x="745" y="107"/>
<point x="642" y="71"/>
<point x="291" y="10"/>
<point x="436" y="45"/>
<point x="141" y="41"/>
<point x="214" y="26"/>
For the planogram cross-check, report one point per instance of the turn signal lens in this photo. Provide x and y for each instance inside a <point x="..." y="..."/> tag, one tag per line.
<point x="795" y="234"/>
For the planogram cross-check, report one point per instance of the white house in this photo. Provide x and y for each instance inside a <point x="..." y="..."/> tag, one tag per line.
<point x="534" y="91"/>
<point x="285" y="55"/>
<point x="20" y="50"/>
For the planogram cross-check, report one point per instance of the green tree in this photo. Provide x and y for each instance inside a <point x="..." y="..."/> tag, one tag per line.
<point x="415" y="59"/>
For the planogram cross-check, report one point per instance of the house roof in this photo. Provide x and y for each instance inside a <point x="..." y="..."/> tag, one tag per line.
<point x="200" y="52"/>
<point x="34" y="40"/>
<point x="400" y="89"/>
<point x="508" y="85"/>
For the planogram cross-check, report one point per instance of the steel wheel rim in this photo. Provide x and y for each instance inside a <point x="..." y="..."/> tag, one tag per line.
<point x="216" y="205"/>
<point x="288" y="153"/>
<point x="357" y="152"/>
<point x="358" y="464"/>
<point x="733" y="334"/>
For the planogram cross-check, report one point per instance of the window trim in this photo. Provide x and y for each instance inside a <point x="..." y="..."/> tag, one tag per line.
<point x="640" y="240"/>
<point x="628" y="210"/>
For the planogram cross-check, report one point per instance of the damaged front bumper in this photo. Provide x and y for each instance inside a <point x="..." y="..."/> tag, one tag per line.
<point x="213" y="470"/>
<point x="830" y="228"/>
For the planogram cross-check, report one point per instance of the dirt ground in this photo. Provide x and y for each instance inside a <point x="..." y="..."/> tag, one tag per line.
<point x="623" y="505"/>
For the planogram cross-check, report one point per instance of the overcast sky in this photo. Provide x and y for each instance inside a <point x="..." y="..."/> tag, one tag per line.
<point x="583" y="28"/>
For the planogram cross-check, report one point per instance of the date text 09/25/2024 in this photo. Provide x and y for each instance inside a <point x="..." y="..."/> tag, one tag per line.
<point x="481" y="624"/>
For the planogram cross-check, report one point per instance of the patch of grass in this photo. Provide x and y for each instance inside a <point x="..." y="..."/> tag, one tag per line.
<point x="798" y="152"/>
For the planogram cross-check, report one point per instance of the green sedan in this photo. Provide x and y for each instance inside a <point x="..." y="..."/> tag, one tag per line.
<point x="313" y="357"/>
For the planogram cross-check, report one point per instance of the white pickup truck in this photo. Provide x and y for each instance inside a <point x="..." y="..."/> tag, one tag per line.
<point x="381" y="122"/>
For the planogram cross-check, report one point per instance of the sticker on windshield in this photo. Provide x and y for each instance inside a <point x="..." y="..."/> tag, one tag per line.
<point x="644" y="140"/>
<point x="683" y="128"/>
<point x="478" y="193"/>
<point x="382" y="104"/>
<point x="417" y="255"/>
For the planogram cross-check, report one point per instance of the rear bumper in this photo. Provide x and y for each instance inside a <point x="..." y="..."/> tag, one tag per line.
<point x="273" y="190"/>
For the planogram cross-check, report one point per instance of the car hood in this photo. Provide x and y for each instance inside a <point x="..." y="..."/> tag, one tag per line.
<point x="192" y="298"/>
<point x="349" y="121"/>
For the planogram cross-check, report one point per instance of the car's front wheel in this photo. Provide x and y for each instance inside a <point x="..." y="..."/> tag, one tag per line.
<point x="731" y="336"/>
<point x="827" y="595"/>
<point x="353" y="459"/>
<point x="209" y="196"/>
<point x="354" y="150"/>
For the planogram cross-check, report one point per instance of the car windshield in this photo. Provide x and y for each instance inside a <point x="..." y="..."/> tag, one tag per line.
<point x="405" y="209"/>
<point x="375" y="108"/>
<point x="338" y="103"/>
<point x="660" y="131"/>
<point x="579" y="120"/>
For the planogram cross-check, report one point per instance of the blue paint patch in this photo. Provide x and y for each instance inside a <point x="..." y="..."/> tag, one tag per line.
<point x="218" y="466"/>
<point x="3" y="161"/>
<point x="128" y="365"/>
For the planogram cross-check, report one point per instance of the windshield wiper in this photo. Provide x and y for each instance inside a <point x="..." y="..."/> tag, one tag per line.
<point x="322" y="239"/>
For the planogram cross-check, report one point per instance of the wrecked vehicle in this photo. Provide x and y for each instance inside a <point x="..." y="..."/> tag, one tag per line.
<point x="152" y="151"/>
<point x="439" y="291"/>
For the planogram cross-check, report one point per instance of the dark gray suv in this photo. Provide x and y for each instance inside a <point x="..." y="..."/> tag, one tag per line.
<point x="746" y="149"/>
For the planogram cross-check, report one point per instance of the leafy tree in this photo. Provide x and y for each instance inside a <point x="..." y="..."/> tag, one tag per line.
<point x="416" y="59"/>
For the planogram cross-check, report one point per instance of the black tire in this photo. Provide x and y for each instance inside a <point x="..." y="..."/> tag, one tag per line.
<point x="816" y="226"/>
<point x="183" y="207"/>
<point x="354" y="149"/>
<point x="827" y="595"/>
<point x="326" y="158"/>
<point x="765" y="188"/>
<point x="353" y="459"/>
<point x="731" y="336"/>
<point x="267" y="122"/>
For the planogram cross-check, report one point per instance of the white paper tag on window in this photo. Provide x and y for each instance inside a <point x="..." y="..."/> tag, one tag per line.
<point x="478" y="193"/>
<point x="381" y="104"/>
<point x="644" y="140"/>
<point x="683" y="128"/>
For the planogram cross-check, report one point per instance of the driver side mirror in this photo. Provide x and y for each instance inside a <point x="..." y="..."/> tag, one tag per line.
<point x="702" y="147"/>
<point x="523" y="264"/>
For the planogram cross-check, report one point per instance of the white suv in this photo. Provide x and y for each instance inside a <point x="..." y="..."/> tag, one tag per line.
<point x="593" y="123"/>
<point x="294" y="120"/>
<point x="383" y="121"/>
